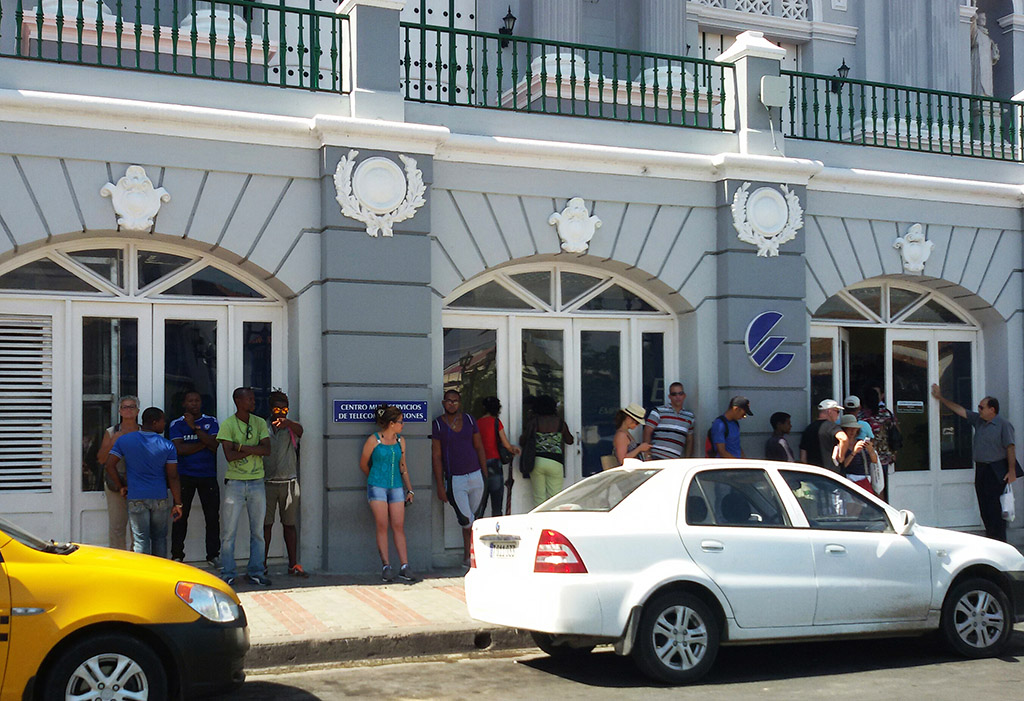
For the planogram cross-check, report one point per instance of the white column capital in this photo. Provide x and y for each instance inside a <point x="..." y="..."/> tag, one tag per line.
<point x="347" y="6"/>
<point x="752" y="44"/>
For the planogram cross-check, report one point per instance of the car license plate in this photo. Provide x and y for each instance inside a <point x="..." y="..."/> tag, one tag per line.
<point x="503" y="549"/>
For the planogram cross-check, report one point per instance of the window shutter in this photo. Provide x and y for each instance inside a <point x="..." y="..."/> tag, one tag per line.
<point x="26" y="403"/>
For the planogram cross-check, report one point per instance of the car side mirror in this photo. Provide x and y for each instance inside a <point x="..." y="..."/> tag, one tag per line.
<point x="905" y="526"/>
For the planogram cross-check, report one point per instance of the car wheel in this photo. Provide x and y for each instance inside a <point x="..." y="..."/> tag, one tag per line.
<point x="107" y="666"/>
<point x="976" y="618"/>
<point x="545" y="641"/>
<point x="677" y="639"/>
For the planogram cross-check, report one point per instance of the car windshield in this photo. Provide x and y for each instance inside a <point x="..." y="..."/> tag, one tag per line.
<point x="24" y="537"/>
<point x="602" y="492"/>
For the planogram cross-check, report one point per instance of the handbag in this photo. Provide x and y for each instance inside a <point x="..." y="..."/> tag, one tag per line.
<point x="877" y="477"/>
<point x="504" y="454"/>
<point x="1007" y="504"/>
<point x="609" y="462"/>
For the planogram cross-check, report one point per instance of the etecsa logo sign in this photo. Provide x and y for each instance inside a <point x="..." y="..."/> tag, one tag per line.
<point x="762" y="346"/>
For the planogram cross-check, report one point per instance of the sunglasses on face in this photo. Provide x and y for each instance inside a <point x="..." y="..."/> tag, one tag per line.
<point x="283" y="410"/>
<point x="676" y="394"/>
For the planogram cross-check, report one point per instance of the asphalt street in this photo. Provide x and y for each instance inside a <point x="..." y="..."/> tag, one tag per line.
<point x="905" y="668"/>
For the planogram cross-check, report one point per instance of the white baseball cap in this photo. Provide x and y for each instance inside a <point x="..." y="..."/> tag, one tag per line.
<point x="852" y="402"/>
<point x="827" y="404"/>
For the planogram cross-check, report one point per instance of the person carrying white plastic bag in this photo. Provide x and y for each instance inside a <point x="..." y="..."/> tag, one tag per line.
<point x="1007" y="504"/>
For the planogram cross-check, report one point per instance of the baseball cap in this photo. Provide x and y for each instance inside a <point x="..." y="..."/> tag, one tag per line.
<point x="852" y="402"/>
<point x="742" y="403"/>
<point x="827" y="404"/>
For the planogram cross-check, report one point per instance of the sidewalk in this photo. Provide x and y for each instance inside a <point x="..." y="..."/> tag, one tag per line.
<point x="341" y="618"/>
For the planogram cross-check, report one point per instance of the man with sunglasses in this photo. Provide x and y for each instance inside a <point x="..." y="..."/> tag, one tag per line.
<point x="281" y="479"/>
<point x="669" y="428"/>
<point x="823" y="443"/>
<point x="246" y="440"/>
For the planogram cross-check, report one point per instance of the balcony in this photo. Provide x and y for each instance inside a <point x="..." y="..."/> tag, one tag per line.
<point x="450" y="66"/>
<point x="235" y="40"/>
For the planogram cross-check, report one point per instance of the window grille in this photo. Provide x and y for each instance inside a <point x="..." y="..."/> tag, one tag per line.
<point x="756" y="7"/>
<point x="794" y="9"/>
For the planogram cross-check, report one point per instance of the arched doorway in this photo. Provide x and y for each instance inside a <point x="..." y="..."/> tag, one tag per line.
<point x="87" y="322"/>
<point x="902" y="338"/>
<point x="593" y="340"/>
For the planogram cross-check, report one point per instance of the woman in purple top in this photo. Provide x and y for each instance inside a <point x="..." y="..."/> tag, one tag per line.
<point x="460" y="466"/>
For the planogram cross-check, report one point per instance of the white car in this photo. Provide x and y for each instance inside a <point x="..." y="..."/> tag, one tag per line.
<point x="670" y="559"/>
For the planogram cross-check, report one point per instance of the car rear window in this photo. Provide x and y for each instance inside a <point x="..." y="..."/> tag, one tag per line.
<point x="602" y="492"/>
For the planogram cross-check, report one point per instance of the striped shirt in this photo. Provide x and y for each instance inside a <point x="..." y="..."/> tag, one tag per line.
<point x="671" y="429"/>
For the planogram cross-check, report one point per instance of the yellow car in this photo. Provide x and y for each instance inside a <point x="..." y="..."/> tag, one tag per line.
<point x="85" y="622"/>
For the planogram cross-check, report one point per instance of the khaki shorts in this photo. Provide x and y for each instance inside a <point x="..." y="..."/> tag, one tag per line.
<point x="283" y="497"/>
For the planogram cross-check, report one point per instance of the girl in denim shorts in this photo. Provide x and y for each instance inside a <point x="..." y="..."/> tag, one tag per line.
<point x="388" y="488"/>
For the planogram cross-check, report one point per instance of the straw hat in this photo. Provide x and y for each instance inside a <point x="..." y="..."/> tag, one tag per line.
<point x="635" y="412"/>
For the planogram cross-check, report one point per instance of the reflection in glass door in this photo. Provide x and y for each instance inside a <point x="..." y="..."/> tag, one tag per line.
<point x="955" y="381"/>
<point x="543" y="367"/>
<point x="110" y="370"/>
<point x="911" y="403"/>
<point x="470" y="366"/>
<point x="600" y="395"/>
<point x="190" y="363"/>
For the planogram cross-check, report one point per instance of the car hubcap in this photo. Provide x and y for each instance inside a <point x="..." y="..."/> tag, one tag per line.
<point x="979" y="619"/>
<point x="108" y="677"/>
<point x="680" y="638"/>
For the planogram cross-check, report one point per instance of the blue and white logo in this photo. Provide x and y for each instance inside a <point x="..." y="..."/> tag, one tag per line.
<point x="762" y="347"/>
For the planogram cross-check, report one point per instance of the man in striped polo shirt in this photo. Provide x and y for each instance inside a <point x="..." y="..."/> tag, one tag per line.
<point x="669" y="428"/>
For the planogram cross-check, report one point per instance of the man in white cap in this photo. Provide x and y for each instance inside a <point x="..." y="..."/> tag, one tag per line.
<point x="823" y="443"/>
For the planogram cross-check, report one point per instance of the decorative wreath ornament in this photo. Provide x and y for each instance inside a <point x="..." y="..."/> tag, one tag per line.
<point x="136" y="202"/>
<point x="766" y="218"/>
<point x="378" y="193"/>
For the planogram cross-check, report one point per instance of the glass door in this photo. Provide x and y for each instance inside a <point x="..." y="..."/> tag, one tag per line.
<point x="932" y="473"/>
<point x="603" y="379"/>
<point x="108" y="366"/>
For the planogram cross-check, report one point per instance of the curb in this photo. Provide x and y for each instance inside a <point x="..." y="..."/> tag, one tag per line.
<point x="316" y="651"/>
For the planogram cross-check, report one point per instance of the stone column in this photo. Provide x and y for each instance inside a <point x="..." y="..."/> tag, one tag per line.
<point x="755" y="58"/>
<point x="663" y="27"/>
<point x="376" y="40"/>
<point x="558" y="20"/>
<point x="905" y="22"/>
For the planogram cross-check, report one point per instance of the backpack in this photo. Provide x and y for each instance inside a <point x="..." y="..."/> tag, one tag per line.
<point x="709" y="447"/>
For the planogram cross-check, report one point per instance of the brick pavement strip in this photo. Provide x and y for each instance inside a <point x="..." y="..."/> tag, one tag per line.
<point x="322" y="623"/>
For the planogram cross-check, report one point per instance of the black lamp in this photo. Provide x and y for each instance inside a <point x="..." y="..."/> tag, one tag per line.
<point x="842" y="72"/>
<point x="506" y="30"/>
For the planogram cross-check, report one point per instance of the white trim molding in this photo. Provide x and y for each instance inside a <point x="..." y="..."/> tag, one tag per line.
<point x="797" y="31"/>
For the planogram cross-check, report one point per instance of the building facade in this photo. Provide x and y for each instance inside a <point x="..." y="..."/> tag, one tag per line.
<point x="382" y="200"/>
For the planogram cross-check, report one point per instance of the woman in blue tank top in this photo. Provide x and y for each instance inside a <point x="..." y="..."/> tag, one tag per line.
<point x="388" y="488"/>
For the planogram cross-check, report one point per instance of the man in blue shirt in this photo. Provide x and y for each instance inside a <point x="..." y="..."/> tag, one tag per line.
<point x="725" y="430"/>
<point x="151" y="468"/>
<point x="195" y="438"/>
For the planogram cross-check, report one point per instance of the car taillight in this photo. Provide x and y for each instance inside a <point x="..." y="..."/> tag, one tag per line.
<point x="472" y="554"/>
<point x="556" y="554"/>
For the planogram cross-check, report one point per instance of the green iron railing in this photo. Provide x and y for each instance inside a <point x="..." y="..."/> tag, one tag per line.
<point x="238" y="40"/>
<point x="479" y="69"/>
<point x="827" y="108"/>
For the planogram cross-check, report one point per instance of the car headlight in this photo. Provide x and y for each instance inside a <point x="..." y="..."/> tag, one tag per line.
<point x="207" y="602"/>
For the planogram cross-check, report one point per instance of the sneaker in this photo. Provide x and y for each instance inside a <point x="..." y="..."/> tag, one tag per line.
<point x="230" y="581"/>
<point x="406" y="575"/>
<point x="387" y="574"/>
<point x="297" y="571"/>
<point x="213" y="562"/>
<point x="178" y="559"/>
<point x="260" y="579"/>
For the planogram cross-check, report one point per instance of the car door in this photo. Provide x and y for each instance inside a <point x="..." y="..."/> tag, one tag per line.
<point x="735" y="528"/>
<point x="865" y="571"/>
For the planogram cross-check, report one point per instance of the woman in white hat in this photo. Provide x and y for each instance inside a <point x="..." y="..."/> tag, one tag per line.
<point x="623" y="443"/>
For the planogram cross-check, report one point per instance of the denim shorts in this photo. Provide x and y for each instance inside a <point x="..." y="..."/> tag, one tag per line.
<point x="394" y="495"/>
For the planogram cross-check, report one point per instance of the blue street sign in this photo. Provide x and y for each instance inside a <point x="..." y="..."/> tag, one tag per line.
<point x="362" y="410"/>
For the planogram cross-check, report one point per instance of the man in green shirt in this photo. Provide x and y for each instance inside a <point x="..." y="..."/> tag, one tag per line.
<point x="245" y="439"/>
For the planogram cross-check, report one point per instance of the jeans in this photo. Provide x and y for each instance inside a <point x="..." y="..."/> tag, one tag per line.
<point x="149" y="520"/>
<point x="251" y="496"/>
<point x="209" y="497"/>
<point x="495" y="486"/>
